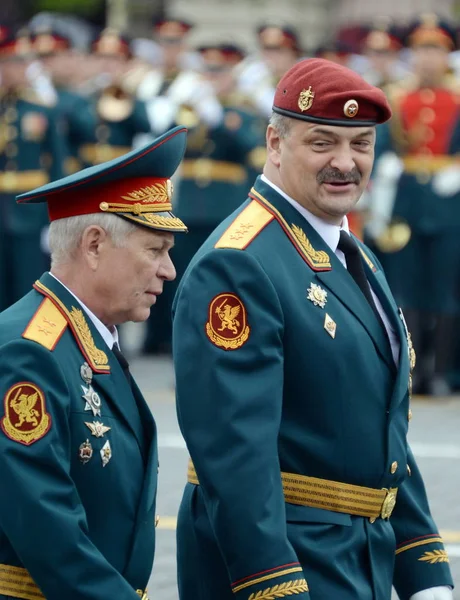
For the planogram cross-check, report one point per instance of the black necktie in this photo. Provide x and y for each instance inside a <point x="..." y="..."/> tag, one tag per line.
<point x="356" y="269"/>
<point x="123" y="362"/>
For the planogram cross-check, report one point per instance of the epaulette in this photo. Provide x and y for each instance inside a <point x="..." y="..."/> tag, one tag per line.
<point x="75" y="318"/>
<point x="46" y="326"/>
<point x="247" y="226"/>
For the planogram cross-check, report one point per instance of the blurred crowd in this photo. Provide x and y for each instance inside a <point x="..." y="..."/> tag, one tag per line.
<point x="64" y="108"/>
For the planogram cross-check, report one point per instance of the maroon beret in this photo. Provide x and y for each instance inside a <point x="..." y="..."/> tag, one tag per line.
<point x="320" y="91"/>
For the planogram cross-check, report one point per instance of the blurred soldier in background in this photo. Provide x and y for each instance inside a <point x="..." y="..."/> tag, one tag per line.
<point x="65" y="67"/>
<point x="225" y="142"/>
<point x="279" y="49"/>
<point x="31" y="153"/>
<point x="416" y="201"/>
<point x="163" y="88"/>
<point x="104" y="128"/>
<point x="336" y="51"/>
<point x="382" y="46"/>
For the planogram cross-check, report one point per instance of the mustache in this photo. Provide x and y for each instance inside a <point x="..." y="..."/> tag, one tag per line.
<point x="330" y="175"/>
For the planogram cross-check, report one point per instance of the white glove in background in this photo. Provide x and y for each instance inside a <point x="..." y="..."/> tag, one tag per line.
<point x="447" y="182"/>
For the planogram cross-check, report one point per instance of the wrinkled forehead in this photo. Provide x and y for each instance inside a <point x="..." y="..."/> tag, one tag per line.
<point x="304" y="128"/>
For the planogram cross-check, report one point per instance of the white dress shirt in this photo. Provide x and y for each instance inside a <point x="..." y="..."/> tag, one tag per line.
<point x="331" y="235"/>
<point x="109" y="337"/>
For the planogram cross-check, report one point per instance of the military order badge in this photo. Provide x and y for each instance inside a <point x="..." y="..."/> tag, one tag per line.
<point x="26" y="419"/>
<point x="317" y="295"/>
<point x="227" y="325"/>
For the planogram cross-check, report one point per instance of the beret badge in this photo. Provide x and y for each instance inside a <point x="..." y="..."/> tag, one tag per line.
<point x="351" y="108"/>
<point x="306" y="99"/>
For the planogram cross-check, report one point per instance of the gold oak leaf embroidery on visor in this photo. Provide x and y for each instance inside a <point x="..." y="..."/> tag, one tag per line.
<point x="227" y="326"/>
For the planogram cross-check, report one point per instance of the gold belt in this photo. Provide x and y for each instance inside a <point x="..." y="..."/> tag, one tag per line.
<point x="415" y="164"/>
<point x="207" y="170"/>
<point x="16" y="582"/>
<point x="22" y="181"/>
<point x="331" y="495"/>
<point x="95" y="154"/>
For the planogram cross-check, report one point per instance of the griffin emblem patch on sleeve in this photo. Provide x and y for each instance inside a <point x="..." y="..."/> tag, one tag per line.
<point x="26" y="419"/>
<point x="227" y="325"/>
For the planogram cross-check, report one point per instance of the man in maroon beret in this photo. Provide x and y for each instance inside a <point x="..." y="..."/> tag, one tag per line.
<point x="293" y="367"/>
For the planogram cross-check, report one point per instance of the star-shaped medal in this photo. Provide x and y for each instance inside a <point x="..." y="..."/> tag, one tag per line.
<point x="93" y="402"/>
<point x="97" y="428"/>
<point x="317" y="295"/>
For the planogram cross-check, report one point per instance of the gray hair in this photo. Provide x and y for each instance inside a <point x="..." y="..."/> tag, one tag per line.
<point x="65" y="235"/>
<point x="281" y="123"/>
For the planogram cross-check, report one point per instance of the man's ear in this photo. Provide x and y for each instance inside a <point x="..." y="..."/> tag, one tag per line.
<point x="273" y="140"/>
<point x="93" y="243"/>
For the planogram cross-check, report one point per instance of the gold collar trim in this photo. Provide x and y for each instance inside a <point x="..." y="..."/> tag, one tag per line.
<point x="317" y="260"/>
<point x="96" y="358"/>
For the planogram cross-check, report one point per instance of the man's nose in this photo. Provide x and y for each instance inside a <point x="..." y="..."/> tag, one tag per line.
<point x="167" y="269"/>
<point x="343" y="160"/>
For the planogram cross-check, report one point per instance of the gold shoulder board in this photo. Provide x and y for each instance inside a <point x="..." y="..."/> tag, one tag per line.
<point x="47" y="325"/>
<point x="247" y="225"/>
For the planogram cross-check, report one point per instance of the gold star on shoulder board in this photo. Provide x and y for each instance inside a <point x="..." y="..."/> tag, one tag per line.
<point x="97" y="428"/>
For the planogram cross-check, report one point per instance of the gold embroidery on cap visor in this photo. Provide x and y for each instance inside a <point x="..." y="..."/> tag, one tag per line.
<point x="150" y="206"/>
<point x="305" y="100"/>
<point x="351" y="108"/>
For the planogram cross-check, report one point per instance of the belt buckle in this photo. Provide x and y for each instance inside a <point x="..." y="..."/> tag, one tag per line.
<point x="142" y="595"/>
<point x="389" y="503"/>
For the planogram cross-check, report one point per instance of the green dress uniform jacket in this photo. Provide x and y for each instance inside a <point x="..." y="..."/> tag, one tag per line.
<point x="79" y="458"/>
<point x="32" y="151"/>
<point x="287" y="394"/>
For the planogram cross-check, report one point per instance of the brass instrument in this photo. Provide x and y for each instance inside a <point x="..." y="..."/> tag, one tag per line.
<point x="115" y="104"/>
<point x="394" y="238"/>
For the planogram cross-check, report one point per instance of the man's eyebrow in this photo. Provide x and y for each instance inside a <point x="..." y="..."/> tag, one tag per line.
<point x="367" y="133"/>
<point x="323" y="131"/>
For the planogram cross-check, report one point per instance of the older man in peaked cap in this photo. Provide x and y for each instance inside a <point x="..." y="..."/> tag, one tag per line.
<point x="78" y="442"/>
<point x="293" y="378"/>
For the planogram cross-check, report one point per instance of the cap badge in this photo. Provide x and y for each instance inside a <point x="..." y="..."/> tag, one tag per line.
<point x="306" y="99"/>
<point x="351" y="108"/>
